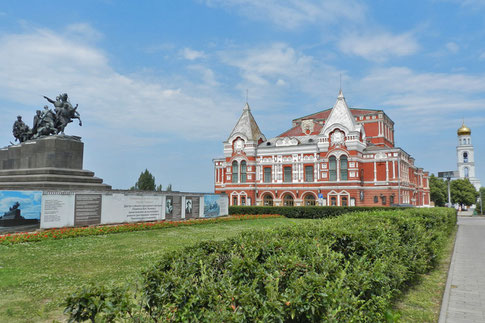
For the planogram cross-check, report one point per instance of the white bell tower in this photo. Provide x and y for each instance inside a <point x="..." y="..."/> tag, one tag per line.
<point x="465" y="156"/>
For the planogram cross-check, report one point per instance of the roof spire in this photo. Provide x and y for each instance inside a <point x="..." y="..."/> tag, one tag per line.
<point x="246" y="107"/>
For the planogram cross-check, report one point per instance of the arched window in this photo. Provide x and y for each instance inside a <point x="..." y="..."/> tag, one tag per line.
<point x="309" y="200"/>
<point x="332" y="167"/>
<point x="344" y="201"/>
<point x="465" y="157"/>
<point x="288" y="200"/>
<point x="333" y="201"/>
<point x="243" y="171"/>
<point x="465" y="172"/>
<point x="234" y="172"/>
<point x="343" y="168"/>
<point x="268" y="200"/>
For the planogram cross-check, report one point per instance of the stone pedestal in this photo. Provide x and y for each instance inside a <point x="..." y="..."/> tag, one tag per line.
<point x="54" y="162"/>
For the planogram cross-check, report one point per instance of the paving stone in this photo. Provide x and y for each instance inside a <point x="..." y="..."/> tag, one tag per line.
<point x="464" y="299"/>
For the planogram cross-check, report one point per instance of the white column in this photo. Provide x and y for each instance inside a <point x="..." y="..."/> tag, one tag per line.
<point x="387" y="171"/>
<point x="375" y="172"/>
<point x="182" y="207"/>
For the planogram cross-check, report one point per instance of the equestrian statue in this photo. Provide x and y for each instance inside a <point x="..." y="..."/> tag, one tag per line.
<point x="48" y="122"/>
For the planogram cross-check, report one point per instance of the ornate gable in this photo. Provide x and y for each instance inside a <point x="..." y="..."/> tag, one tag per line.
<point x="340" y="116"/>
<point x="247" y="127"/>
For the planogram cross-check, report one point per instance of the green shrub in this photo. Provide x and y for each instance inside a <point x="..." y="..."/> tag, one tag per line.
<point x="307" y="212"/>
<point x="345" y="269"/>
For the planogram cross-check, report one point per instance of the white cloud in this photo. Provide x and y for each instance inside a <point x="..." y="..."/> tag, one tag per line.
<point x="84" y="31"/>
<point x="378" y="46"/>
<point x="452" y="47"/>
<point x="425" y="101"/>
<point x="292" y="14"/>
<point x="191" y="54"/>
<point x="42" y="62"/>
<point x="269" y="70"/>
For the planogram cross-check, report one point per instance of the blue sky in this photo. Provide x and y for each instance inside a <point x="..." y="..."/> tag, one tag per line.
<point x="160" y="84"/>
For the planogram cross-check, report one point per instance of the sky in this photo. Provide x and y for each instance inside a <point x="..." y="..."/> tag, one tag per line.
<point x="161" y="84"/>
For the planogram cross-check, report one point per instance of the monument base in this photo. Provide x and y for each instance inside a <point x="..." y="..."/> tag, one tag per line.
<point x="53" y="162"/>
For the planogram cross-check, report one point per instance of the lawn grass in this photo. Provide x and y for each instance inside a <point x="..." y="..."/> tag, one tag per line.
<point x="422" y="302"/>
<point x="36" y="277"/>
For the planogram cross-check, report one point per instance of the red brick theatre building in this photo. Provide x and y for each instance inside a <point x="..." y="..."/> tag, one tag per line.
<point x="339" y="156"/>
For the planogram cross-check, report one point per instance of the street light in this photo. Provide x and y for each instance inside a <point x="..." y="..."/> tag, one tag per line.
<point x="448" y="175"/>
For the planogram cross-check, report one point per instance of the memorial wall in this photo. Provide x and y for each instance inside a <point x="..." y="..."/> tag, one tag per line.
<point x="28" y="210"/>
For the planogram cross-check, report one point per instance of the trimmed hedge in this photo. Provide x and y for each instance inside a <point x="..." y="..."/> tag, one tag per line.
<point x="306" y="212"/>
<point x="344" y="269"/>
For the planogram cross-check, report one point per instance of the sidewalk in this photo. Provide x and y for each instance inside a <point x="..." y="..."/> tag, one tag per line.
<point x="464" y="298"/>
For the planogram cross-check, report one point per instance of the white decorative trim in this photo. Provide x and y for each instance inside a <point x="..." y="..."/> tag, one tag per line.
<point x="287" y="141"/>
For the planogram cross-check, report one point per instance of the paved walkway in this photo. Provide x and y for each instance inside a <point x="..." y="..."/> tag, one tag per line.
<point x="464" y="298"/>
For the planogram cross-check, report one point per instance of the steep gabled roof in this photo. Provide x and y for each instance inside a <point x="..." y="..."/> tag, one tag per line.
<point x="247" y="126"/>
<point x="340" y="114"/>
<point x="323" y="115"/>
<point x="298" y="131"/>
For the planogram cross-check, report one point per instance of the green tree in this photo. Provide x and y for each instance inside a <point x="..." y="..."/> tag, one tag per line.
<point x="438" y="190"/>
<point x="146" y="182"/>
<point x="481" y="195"/>
<point x="169" y="187"/>
<point x="463" y="192"/>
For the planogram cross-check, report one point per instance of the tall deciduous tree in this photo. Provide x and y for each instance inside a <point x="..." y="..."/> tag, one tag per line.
<point x="481" y="196"/>
<point x="463" y="192"/>
<point x="146" y="182"/>
<point x="438" y="189"/>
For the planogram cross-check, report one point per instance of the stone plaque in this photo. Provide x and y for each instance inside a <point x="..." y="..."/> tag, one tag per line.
<point x="87" y="209"/>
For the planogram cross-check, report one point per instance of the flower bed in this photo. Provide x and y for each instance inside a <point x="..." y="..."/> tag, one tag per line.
<point x="64" y="233"/>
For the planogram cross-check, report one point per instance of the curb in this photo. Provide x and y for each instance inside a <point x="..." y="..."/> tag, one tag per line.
<point x="446" y="295"/>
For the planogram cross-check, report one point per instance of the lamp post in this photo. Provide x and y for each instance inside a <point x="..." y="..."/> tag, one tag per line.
<point x="448" y="175"/>
<point x="481" y="203"/>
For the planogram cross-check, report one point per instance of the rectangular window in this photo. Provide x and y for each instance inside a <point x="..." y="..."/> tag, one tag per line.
<point x="267" y="174"/>
<point x="287" y="174"/>
<point x="383" y="200"/>
<point x="234" y="200"/>
<point x="308" y="173"/>
<point x="243" y="200"/>
<point x="391" y="199"/>
<point x="376" y="199"/>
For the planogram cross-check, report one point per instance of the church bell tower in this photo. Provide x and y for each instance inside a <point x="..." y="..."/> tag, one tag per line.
<point x="465" y="156"/>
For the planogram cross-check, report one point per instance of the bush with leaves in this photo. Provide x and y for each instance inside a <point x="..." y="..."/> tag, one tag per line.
<point x="306" y="212"/>
<point x="345" y="269"/>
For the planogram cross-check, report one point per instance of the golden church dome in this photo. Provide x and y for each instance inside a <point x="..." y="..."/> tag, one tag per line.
<point x="464" y="130"/>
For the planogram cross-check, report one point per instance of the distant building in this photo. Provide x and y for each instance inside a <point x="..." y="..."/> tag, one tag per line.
<point x="465" y="156"/>
<point x="339" y="156"/>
